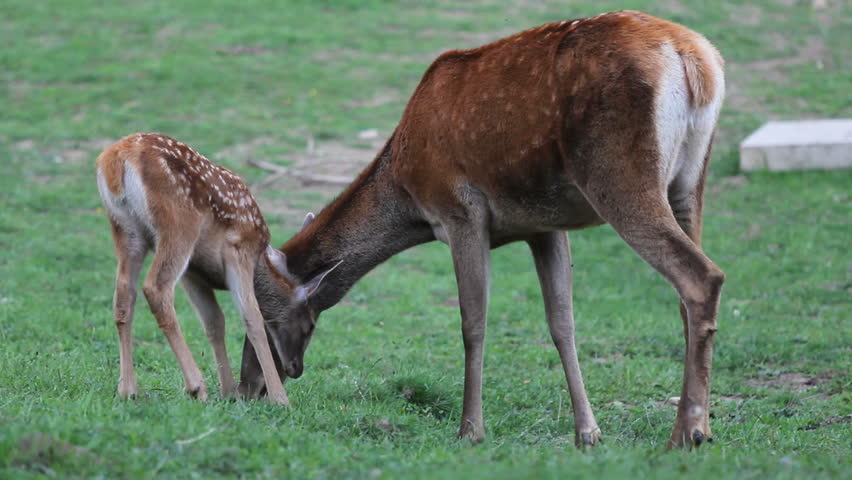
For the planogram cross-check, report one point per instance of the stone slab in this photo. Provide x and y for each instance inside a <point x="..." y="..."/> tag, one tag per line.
<point x="799" y="145"/>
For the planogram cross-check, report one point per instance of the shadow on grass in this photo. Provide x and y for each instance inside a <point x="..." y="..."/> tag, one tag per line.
<point x="423" y="398"/>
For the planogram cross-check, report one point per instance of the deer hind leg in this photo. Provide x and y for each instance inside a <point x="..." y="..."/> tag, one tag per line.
<point x="170" y="260"/>
<point x="470" y="246"/>
<point x="552" y="256"/>
<point x="686" y="202"/>
<point x="646" y="222"/>
<point x="130" y="250"/>
<point x="240" y="267"/>
<point x="207" y="308"/>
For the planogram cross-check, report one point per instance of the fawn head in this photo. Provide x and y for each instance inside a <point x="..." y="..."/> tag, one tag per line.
<point x="289" y="317"/>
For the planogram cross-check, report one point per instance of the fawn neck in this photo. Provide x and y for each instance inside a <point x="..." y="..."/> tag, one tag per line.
<point x="372" y="220"/>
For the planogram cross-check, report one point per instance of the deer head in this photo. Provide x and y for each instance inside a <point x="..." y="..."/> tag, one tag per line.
<point x="288" y="314"/>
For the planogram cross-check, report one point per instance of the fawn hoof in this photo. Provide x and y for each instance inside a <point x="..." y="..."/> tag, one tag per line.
<point x="199" y="392"/>
<point x="588" y="438"/>
<point x="126" y="392"/>
<point x="697" y="438"/>
<point x="279" y="399"/>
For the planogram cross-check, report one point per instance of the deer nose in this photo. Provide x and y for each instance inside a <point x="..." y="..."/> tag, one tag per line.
<point x="294" y="369"/>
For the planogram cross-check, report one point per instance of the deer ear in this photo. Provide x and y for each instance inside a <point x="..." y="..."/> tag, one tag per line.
<point x="306" y="291"/>
<point x="278" y="260"/>
<point x="308" y="219"/>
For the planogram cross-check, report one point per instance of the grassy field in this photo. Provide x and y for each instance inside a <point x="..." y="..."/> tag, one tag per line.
<point x="381" y="394"/>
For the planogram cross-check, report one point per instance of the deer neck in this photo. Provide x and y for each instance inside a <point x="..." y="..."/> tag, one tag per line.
<point x="372" y="220"/>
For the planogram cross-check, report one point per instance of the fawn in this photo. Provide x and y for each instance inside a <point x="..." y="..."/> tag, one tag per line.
<point x="205" y="228"/>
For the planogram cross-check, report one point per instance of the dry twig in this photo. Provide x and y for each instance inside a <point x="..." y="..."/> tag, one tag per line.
<point x="279" y="172"/>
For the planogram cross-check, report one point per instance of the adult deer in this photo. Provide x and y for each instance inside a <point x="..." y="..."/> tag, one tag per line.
<point x="205" y="229"/>
<point x="569" y="125"/>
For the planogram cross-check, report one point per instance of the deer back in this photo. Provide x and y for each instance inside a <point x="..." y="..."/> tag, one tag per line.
<point x="519" y="115"/>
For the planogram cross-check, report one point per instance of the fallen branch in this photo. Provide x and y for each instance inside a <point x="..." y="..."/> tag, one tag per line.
<point x="304" y="177"/>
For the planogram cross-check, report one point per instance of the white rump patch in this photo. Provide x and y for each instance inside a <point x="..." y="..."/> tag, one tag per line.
<point x="684" y="132"/>
<point x="129" y="208"/>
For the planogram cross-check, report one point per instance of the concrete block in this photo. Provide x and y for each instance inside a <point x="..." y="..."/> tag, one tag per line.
<point x="800" y="145"/>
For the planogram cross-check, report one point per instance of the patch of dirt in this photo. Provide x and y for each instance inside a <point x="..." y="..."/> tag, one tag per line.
<point x="240" y="50"/>
<point x="71" y="151"/>
<point x="42" y="179"/>
<point x="332" y="158"/>
<point x="331" y="55"/>
<point x="790" y="381"/>
<point x="83" y="151"/>
<point x="457" y="14"/>
<point x="465" y="40"/>
<point x="752" y="233"/>
<point x="673" y="6"/>
<point x="338" y="158"/>
<point x="747" y="15"/>
<point x="242" y="151"/>
<point x="770" y="71"/>
<point x="18" y="90"/>
<point x="814" y="50"/>
<point x="835" y="286"/>
<point x="842" y="419"/>
<point x="734" y="182"/>
<point x="382" y="98"/>
<point x="24" y="145"/>
<point x="167" y="32"/>
<point x="612" y="358"/>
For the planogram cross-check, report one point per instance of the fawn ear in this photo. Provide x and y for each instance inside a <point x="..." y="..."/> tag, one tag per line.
<point x="308" y="219"/>
<point x="304" y="292"/>
<point x="278" y="260"/>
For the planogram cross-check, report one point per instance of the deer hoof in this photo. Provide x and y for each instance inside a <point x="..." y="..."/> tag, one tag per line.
<point x="469" y="431"/>
<point x="126" y="392"/>
<point x="279" y="399"/>
<point x="698" y="438"/>
<point x="199" y="393"/>
<point x="588" y="438"/>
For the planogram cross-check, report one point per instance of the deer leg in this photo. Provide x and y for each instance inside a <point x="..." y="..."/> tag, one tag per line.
<point x="646" y="222"/>
<point x="170" y="260"/>
<point x="552" y="256"/>
<point x="207" y="308"/>
<point x="131" y="251"/>
<point x="241" y="283"/>
<point x="687" y="208"/>
<point x="470" y="248"/>
<point x="251" y="375"/>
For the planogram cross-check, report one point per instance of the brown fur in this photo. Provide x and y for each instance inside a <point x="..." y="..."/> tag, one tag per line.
<point x="551" y="129"/>
<point x="205" y="229"/>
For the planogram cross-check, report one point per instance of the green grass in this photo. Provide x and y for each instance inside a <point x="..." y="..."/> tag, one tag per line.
<point x="381" y="395"/>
